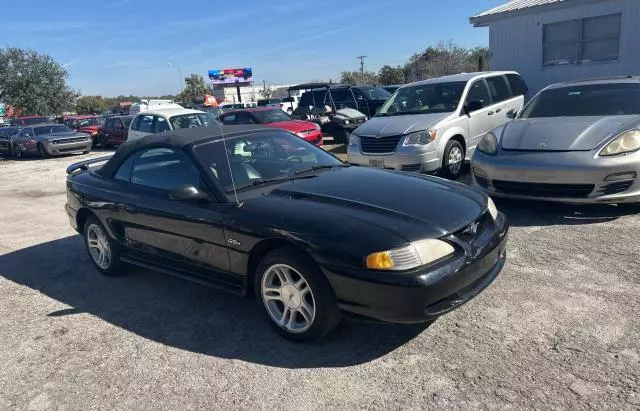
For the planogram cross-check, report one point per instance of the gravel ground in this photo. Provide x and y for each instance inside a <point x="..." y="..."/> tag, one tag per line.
<point x="558" y="329"/>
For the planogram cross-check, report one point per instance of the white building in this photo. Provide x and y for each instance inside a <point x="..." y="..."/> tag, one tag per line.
<point x="248" y="93"/>
<point x="548" y="41"/>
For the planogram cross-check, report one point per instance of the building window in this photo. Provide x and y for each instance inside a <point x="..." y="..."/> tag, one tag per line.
<point x="582" y="41"/>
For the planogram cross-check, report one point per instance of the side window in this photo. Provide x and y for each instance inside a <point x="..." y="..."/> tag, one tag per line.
<point x="244" y="118"/>
<point x="134" y="125"/>
<point x="161" y="124"/>
<point x="358" y="94"/>
<point x="498" y="88"/>
<point x="478" y="92"/>
<point x="124" y="172"/>
<point x="165" y="169"/>
<point x="518" y="86"/>
<point x="229" y="119"/>
<point x="145" y="124"/>
<point x="109" y="123"/>
<point x="26" y="132"/>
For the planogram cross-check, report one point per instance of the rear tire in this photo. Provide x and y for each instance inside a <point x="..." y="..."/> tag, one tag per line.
<point x="452" y="159"/>
<point x="42" y="152"/>
<point x="103" y="251"/>
<point x="295" y="297"/>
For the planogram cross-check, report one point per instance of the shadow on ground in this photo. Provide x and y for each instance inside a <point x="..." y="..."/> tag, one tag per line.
<point x="186" y="315"/>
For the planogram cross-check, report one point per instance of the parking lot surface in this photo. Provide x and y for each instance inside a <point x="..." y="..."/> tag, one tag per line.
<point x="558" y="328"/>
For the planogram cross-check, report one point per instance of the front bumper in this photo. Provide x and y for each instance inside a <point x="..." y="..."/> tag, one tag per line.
<point x="56" y="149"/>
<point x="402" y="159"/>
<point x="426" y="293"/>
<point x="567" y="177"/>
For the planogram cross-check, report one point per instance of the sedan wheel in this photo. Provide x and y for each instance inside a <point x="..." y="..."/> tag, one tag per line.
<point x="99" y="247"/>
<point x="103" y="251"/>
<point x="288" y="298"/>
<point x="296" y="297"/>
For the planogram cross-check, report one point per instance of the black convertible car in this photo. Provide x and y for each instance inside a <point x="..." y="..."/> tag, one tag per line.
<point x="257" y="210"/>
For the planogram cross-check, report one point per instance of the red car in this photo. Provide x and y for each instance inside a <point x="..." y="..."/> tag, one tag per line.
<point x="115" y="131"/>
<point x="30" y="120"/>
<point x="274" y="117"/>
<point x="84" y="124"/>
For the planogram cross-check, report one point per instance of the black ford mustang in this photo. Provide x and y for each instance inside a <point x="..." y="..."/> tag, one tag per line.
<point x="259" y="210"/>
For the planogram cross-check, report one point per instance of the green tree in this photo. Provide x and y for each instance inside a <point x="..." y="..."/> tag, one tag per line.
<point x="93" y="104"/>
<point x="195" y="86"/>
<point x="391" y="75"/>
<point x="34" y="82"/>
<point x="265" y="92"/>
<point x="355" y="77"/>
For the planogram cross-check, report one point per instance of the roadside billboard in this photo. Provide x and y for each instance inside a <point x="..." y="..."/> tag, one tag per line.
<point x="231" y="77"/>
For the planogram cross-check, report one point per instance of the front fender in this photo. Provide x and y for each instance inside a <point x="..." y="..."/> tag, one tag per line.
<point x="447" y="135"/>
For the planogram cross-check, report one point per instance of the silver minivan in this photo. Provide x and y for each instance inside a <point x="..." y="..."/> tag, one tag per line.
<point x="436" y="124"/>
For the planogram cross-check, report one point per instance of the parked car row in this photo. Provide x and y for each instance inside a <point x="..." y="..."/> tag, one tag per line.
<point x="44" y="140"/>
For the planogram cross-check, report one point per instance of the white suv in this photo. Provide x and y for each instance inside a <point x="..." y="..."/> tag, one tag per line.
<point x="159" y="120"/>
<point x="436" y="124"/>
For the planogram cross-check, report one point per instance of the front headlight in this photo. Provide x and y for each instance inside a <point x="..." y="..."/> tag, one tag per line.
<point x="354" y="140"/>
<point x="488" y="144"/>
<point x="316" y="125"/>
<point x="420" y="138"/>
<point x="347" y="122"/>
<point x="626" y="142"/>
<point x="493" y="210"/>
<point x="414" y="255"/>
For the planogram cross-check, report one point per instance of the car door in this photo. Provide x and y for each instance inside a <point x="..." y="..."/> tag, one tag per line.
<point x="119" y="131"/>
<point x="141" y="126"/>
<point x="26" y="140"/>
<point x="480" y="119"/>
<point x="362" y="102"/>
<point x="503" y="100"/>
<point x="107" y="131"/>
<point x="180" y="235"/>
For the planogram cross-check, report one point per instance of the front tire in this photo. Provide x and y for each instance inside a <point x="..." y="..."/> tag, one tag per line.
<point x="453" y="159"/>
<point x="102" y="250"/>
<point x="295" y="297"/>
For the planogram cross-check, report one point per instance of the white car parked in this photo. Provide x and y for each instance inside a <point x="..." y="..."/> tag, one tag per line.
<point x="165" y="119"/>
<point x="436" y="124"/>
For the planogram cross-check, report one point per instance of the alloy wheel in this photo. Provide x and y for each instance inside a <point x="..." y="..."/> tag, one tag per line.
<point x="99" y="247"/>
<point x="288" y="298"/>
<point x="455" y="160"/>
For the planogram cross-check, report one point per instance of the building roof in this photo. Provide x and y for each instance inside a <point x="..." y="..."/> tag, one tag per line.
<point x="514" y="7"/>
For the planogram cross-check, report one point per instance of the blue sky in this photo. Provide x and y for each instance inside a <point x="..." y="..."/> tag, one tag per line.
<point x="113" y="47"/>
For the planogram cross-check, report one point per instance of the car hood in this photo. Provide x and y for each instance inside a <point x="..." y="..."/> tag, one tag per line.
<point x="411" y="206"/>
<point x="294" y="126"/>
<point x="398" y="125"/>
<point x="59" y="136"/>
<point x="561" y="133"/>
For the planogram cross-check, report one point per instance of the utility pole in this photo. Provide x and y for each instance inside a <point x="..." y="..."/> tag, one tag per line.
<point x="362" y="67"/>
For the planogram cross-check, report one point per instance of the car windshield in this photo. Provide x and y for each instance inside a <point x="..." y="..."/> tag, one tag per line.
<point x="52" y="129"/>
<point x="192" y="120"/>
<point x="35" y="120"/>
<point x="617" y="99"/>
<point x="271" y="116"/>
<point x="263" y="158"/>
<point x="375" y="93"/>
<point x="424" y="99"/>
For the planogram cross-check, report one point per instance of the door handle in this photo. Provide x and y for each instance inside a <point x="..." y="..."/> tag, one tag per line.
<point x="490" y="113"/>
<point x="498" y="110"/>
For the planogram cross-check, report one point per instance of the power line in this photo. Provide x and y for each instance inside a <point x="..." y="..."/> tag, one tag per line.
<point x="362" y="67"/>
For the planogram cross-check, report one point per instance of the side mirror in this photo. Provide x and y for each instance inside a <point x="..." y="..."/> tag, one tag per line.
<point x="187" y="192"/>
<point x="512" y="113"/>
<point x="473" y="105"/>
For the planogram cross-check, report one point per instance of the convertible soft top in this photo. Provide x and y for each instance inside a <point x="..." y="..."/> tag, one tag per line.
<point x="177" y="139"/>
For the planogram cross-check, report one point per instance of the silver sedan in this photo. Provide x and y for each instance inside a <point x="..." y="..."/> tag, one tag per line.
<point x="575" y="142"/>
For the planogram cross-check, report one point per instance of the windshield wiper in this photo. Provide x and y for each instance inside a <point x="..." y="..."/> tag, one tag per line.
<point x="320" y="167"/>
<point x="263" y="181"/>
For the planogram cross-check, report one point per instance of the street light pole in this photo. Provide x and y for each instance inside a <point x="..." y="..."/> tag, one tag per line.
<point x="180" y="79"/>
<point x="362" y="67"/>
